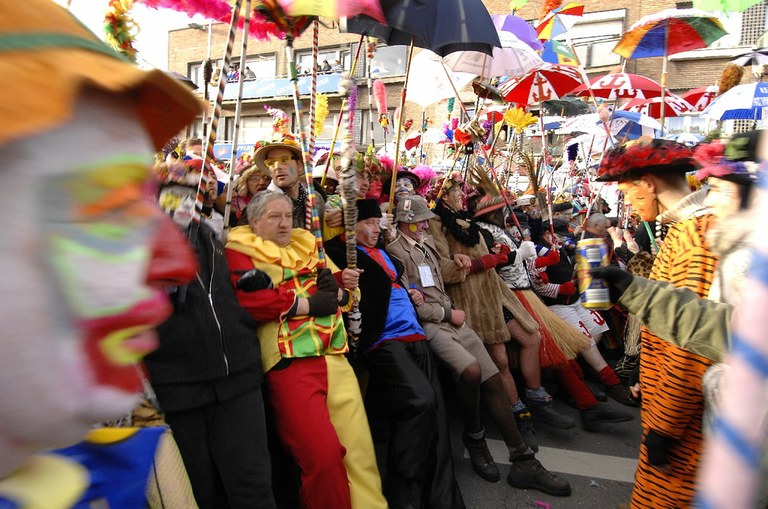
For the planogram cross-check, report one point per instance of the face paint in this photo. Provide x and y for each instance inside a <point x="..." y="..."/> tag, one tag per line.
<point x="643" y="201"/>
<point x="179" y="203"/>
<point x="723" y="197"/>
<point x="285" y="171"/>
<point x="413" y="228"/>
<point x="403" y="187"/>
<point x="368" y="231"/>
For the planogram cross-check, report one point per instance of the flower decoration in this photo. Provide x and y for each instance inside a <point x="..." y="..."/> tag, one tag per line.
<point x="519" y="119"/>
<point x="645" y="155"/>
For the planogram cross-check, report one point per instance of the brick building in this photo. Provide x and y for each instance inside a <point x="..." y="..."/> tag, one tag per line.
<point x="593" y="37"/>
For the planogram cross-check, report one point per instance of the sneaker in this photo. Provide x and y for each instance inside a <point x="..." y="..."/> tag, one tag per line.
<point x="526" y="472"/>
<point x="480" y="456"/>
<point x="547" y="415"/>
<point x="591" y="418"/>
<point x="621" y="394"/>
<point x="524" y="421"/>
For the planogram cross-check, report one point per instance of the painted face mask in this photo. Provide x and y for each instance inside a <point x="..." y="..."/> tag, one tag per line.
<point x="642" y="200"/>
<point x="403" y="187"/>
<point x="179" y="203"/>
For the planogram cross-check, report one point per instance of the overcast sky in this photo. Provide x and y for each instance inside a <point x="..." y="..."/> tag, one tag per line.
<point x="152" y="40"/>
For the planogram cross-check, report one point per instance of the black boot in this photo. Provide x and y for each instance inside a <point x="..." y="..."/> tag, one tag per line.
<point x="545" y="414"/>
<point x="527" y="473"/>
<point x="481" y="458"/>
<point x="524" y="421"/>
<point x="621" y="394"/>
<point x="592" y="417"/>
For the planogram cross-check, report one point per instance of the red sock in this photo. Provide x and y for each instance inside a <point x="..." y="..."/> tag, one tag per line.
<point x="608" y="377"/>
<point x="576" y="367"/>
<point x="570" y="381"/>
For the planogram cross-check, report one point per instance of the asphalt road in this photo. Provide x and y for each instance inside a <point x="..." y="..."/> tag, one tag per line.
<point x="599" y="466"/>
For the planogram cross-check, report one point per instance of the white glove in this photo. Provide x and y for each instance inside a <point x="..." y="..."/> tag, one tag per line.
<point x="527" y="250"/>
<point x="385" y="223"/>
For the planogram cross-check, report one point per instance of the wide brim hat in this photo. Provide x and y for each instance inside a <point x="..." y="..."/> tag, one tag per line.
<point x="317" y="173"/>
<point x="413" y="209"/>
<point x="403" y="174"/>
<point x="48" y="59"/>
<point x="286" y="142"/>
<point x="643" y="157"/>
<point x="488" y="204"/>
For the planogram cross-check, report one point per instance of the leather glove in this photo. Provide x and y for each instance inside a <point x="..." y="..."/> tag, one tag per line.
<point x="254" y="280"/>
<point x="658" y="446"/>
<point x="323" y="303"/>
<point x="567" y="288"/>
<point x="618" y="280"/>
<point x="326" y="282"/>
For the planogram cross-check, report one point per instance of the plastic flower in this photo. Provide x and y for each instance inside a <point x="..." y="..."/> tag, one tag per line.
<point x="519" y="119"/>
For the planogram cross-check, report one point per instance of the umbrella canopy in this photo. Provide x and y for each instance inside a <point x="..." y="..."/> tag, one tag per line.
<point x="559" y="20"/>
<point x="518" y="26"/>
<point x="754" y="57"/>
<point x="583" y="123"/>
<point x="555" y="52"/>
<point x="629" y="125"/>
<point x="621" y="85"/>
<point x="548" y="82"/>
<point x="514" y="58"/>
<point x="688" y="139"/>
<point x="668" y="32"/>
<point x="567" y="106"/>
<point x="724" y="5"/>
<point x="740" y="102"/>
<point x="674" y="106"/>
<point x="442" y="26"/>
<point x="700" y="97"/>
<point x="428" y="80"/>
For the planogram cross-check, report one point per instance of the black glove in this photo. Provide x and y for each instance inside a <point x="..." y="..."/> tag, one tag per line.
<point x="253" y="280"/>
<point x="658" y="446"/>
<point x="326" y="282"/>
<point x="323" y="303"/>
<point x="618" y="280"/>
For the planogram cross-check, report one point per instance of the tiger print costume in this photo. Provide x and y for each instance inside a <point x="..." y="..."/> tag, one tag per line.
<point x="671" y="377"/>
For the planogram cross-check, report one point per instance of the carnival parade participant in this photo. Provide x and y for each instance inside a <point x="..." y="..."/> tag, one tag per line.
<point x="457" y="346"/>
<point x="403" y="398"/>
<point x="282" y="284"/>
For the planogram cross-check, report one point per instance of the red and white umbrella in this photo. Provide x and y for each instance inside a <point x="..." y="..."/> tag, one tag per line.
<point x="550" y="81"/>
<point x="674" y="106"/>
<point x="701" y="97"/>
<point x="621" y="85"/>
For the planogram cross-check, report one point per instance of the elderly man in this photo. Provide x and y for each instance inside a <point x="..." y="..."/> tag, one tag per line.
<point x="86" y="255"/>
<point x="461" y="349"/>
<point x="285" y="287"/>
<point x="403" y="397"/>
<point x="283" y="159"/>
<point x="652" y="176"/>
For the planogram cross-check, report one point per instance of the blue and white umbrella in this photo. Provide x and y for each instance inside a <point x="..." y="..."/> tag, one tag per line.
<point x="740" y="102"/>
<point x="630" y="125"/>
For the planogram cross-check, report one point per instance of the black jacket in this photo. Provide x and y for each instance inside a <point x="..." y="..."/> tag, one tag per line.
<point x="207" y="340"/>
<point x="560" y="273"/>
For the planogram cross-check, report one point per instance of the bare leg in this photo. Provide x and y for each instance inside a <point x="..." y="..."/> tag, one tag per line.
<point x="530" y="343"/>
<point x="593" y="356"/>
<point x="498" y="353"/>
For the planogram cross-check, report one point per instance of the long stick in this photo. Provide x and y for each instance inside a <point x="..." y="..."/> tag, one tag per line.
<point x="369" y="82"/>
<point x="341" y="115"/>
<point x="400" y="128"/>
<point x="238" y="109"/>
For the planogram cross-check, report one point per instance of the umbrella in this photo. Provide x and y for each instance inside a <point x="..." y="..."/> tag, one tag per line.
<point x="621" y="85"/>
<point x="518" y="26"/>
<point x="550" y="81"/>
<point x="700" y="97"/>
<point x="513" y="58"/>
<point x="688" y="139"/>
<point x="555" y="52"/>
<point x="724" y="5"/>
<point x="559" y="20"/>
<point x="668" y="32"/>
<point x="629" y="125"/>
<point x="567" y="106"/>
<point x="442" y="26"/>
<point x="429" y="82"/>
<point x="583" y="123"/>
<point x="740" y="102"/>
<point x="754" y="57"/>
<point x="674" y="106"/>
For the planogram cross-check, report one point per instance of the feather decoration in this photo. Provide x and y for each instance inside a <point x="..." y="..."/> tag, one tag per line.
<point x="548" y="6"/>
<point x="207" y="71"/>
<point x="120" y="29"/>
<point x="730" y="77"/>
<point x="279" y="121"/>
<point x="321" y="112"/>
<point x="380" y="97"/>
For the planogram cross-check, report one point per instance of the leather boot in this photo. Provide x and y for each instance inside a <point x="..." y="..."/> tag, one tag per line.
<point x="480" y="456"/>
<point x="527" y="473"/>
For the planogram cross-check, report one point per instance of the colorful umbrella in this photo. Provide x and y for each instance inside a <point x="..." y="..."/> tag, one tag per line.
<point x="429" y="82"/>
<point x="621" y="85"/>
<point x="559" y="20"/>
<point x="740" y="102"/>
<point x="518" y="26"/>
<point x="514" y="58"/>
<point x="724" y="5"/>
<point x="550" y="81"/>
<point x="555" y="52"/>
<point x="629" y="125"/>
<point x="442" y="26"/>
<point x="700" y="97"/>
<point x="668" y="32"/>
<point x="674" y="106"/>
<point x="754" y="57"/>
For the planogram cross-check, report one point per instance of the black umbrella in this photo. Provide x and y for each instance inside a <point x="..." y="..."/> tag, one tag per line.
<point x="754" y="57"/>
<point x="443" y="26"/>
<point x="566" y="107"/>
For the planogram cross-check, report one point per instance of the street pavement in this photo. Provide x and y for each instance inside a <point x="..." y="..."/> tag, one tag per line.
<point x="600" y="466"/>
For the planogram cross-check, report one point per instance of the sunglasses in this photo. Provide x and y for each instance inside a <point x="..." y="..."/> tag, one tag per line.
<point x="273" y="163"/>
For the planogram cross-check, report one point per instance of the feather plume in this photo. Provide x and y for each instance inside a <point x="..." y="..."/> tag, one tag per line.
<point x="380" y="96"/>
<point x="478" y="177"/>
<point x="120" y="29"/>
<point x="321" y="113"/>
<point x="730" y="77"/>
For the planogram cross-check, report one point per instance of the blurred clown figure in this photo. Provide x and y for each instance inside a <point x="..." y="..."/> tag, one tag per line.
<point x="87" y="250"/>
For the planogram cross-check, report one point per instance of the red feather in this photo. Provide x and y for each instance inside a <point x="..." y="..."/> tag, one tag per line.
<point x="380" y="96"/>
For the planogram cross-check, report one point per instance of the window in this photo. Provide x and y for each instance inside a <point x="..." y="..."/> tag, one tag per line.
<point x="388" y="61"/>
<point x="252" y="129"/>
<point x="378" y="131"/>
<point x="595" y="35"/>
<point x="304" y="59"/>
<point x="329" y="126"/>
<point x="263" y="67"/>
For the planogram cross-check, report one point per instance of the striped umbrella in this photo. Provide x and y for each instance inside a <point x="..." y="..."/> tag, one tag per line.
<point x="700" y="97"/>
<point x="621" y="85"/>
<point x="555" y="52"/>
<point x="674" y="106"/>
<point x="559" y="20"/>
<point x="550" y="81"/>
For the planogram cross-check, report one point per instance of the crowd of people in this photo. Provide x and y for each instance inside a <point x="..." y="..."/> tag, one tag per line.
<point x="297" y="369"/>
